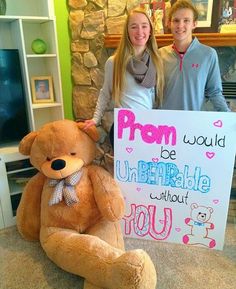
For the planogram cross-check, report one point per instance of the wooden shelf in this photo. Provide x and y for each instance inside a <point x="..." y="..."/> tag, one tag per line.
<point x="211" y="39"/>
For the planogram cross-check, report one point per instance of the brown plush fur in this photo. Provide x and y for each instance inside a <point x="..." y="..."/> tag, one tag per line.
<point x="84" y="238"/>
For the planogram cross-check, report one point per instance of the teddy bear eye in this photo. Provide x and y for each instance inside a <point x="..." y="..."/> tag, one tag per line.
<point x="73" y="154"/>
<point x="48" y="159"/>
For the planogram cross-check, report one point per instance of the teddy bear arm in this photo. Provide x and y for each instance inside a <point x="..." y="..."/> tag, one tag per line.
<point x="28" y="211"/>
<point x="188" y="221"/>
<point x="107" y="194"/>
<point x="210" y="226"/>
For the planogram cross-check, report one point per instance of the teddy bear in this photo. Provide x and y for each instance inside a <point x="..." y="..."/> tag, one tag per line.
<point x="73" y="207"/>
<point x="200" y="226"/>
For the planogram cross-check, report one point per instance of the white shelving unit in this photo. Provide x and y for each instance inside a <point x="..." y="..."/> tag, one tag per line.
<point x="25" y="21"/>
<point x="15" y="170"/>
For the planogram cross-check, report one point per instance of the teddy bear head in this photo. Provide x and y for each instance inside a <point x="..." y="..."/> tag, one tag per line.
<point x="60" y="148"/>
<point x="201" y="214"/>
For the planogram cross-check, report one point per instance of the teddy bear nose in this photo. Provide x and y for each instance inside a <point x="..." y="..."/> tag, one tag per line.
<point x="58" y="164"/>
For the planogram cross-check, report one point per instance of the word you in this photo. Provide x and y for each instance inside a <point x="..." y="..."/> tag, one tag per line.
<point x="142" y="221"/>
<point x="163" y="174"/>
<point x="149" y="133"/>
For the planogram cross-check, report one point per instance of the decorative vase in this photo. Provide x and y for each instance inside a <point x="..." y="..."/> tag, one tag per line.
<point x="3" y="7"/>
<point x="39" y="46"/>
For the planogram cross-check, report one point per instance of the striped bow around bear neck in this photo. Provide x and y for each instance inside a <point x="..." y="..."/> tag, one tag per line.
<point x="65" y="188"/>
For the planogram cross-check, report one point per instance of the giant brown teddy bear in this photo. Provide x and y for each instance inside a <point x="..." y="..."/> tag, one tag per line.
<point x="74" y="209"/>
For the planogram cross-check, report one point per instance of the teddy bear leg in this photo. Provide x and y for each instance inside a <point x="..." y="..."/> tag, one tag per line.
<point x="88" y="285"/>
<point x="109" y="232"/>
<point x="186" y="239"/>
<point x="208" y="242"/>
<point x="136" y="260"/>
<point x="81" y="254"/>
<point x="97" y="261"/>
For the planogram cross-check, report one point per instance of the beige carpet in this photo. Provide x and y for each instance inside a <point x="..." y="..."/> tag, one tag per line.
<point x="23" y="265"/>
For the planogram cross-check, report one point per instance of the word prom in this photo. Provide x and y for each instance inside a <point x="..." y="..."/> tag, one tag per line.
<point x="149" y="132"/>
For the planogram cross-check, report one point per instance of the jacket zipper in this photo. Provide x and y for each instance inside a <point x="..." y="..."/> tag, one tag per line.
<point x="181" y="56"/>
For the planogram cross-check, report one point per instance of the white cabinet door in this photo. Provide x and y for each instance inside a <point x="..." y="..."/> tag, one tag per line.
<point x="6" y="209"/>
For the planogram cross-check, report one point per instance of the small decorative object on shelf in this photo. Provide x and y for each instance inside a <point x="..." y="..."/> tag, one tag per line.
<point x="42" y="89"/>
<point x="3" y="7"/>
<point x="39" y="46"/>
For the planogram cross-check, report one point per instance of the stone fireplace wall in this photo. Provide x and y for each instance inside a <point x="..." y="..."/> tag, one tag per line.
<point x="89" y="21"/>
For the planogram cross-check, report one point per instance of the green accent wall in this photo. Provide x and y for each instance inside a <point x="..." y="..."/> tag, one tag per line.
<point x="63" y="36"/>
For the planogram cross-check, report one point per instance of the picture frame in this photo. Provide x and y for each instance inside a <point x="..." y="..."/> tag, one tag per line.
<point x="42" y="89"/>
<point x="231" y="102"/>
<point x="227" y="16"/>
<point x="205" y="9"/>
<point x="210" y="24"/>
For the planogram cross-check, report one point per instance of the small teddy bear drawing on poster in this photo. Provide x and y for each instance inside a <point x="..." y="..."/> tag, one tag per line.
<point x="200" y="226"/>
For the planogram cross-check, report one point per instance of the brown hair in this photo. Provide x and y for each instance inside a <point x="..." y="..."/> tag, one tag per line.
<point x="125" y="51"/>
<point x="183" y="4"/>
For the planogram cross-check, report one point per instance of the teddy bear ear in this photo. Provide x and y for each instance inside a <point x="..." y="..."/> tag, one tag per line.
<point x="194" y="206"/>
<point x="91" y="131"/>
<point x="210" y="209"/>
<point x="26" y="143"/>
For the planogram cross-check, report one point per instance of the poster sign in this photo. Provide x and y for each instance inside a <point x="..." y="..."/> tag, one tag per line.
<point x="175" y="170"/>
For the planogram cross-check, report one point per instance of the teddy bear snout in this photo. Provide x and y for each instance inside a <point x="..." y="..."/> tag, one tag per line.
<point x="201" y="216"/>
<point x="58" y="164"/>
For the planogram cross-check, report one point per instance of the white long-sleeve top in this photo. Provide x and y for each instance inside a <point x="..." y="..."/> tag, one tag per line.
<point x="133" y="95"/>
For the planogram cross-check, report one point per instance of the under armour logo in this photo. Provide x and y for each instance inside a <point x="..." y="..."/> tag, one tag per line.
<point x="195" y="65"/>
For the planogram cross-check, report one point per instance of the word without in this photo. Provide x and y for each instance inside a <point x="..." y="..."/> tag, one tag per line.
<point x="168" y="197"/>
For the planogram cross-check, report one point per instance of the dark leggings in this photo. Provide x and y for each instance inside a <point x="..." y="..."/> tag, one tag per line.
<point x="111" y="136"/>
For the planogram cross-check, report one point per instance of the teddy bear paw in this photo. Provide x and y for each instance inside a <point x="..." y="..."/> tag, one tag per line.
<point x="134" y="270"/>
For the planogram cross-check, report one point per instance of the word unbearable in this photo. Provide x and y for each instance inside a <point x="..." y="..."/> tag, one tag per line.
<point x="163" y="174"/>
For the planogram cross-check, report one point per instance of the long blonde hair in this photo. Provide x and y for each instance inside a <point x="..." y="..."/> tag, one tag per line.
<point x="125" y="51"/>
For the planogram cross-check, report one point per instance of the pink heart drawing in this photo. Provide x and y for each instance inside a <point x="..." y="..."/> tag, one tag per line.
<point x="155" y="160"/>
<point x="218" y="123"/>
<point x="210" y="155"/>
<point x="138" y="189"/>
<point x="129" y="150"/>
<point x="177" y="229"/>
<point x="216" y="201"/>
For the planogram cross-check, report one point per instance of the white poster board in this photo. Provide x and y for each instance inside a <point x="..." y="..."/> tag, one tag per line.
<point x="175" y="170"/>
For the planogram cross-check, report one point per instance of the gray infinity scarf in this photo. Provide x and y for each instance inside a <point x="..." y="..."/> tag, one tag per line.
<point x="143" y="70"/>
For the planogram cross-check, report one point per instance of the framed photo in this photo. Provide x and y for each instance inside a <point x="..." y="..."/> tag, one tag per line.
<point x="231" y="102"/>
<point x="227" y="17"/>
<point x="205" y="8"/>
<point x="42" y="89"/>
